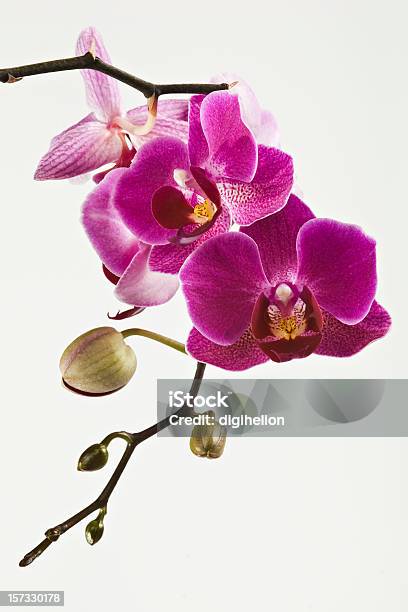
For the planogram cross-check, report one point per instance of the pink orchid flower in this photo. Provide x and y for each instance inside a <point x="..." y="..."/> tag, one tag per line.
<point x="125" y="258"/>
<point x="165" y="201"/>
<point x="283" y="288"/>
<point x="107" y="135"/>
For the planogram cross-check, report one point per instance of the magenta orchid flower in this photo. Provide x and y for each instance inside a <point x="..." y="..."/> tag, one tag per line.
<point x="176" y="196"/>
<point x="283" y="288"/>
<point x="126" y="259"/>
<point x="100" y="137"/>
<point x="162" y="200"/>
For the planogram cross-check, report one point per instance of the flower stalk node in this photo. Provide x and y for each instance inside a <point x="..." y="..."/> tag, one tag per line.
<point x="53" y="534"/>
<point x="13" y="79"/>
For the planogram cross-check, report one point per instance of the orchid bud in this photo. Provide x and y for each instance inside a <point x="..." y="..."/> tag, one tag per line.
<point x="208" y="440"/>
<point x="94" y="532"/>
<point x="93" y="458"/>
<point x="94" y="529"/>
<point x="98" y="362"/>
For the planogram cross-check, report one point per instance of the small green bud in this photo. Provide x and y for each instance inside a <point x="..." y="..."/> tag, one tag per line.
<point x="208" y="440"/>
<point x="93" y="458"/>
<point x="94" y="532"/>
<point x="98" y="362"/>
<point x="94" y="529"/>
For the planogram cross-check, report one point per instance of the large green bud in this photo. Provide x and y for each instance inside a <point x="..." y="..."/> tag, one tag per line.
<point x="98" y="362"/>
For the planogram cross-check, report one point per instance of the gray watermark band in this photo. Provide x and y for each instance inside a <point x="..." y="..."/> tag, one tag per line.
<point x="290" y="407"/>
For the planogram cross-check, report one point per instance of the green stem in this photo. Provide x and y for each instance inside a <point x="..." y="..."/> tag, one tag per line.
<point x="135" y="331"/>
<point x="123" y="435"/>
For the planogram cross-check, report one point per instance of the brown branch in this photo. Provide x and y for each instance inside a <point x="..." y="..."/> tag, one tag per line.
<point x="53" y="534"/>
<point x="90" y="62"/>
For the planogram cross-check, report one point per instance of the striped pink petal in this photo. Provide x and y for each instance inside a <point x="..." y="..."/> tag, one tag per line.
<point x="83" y="147"/>
<point x="102" y="92"/>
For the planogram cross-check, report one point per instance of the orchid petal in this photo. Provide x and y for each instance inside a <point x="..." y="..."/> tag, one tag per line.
<point x="266" y="194"/>
<point x="167" y="109"/>
<point x="241" y="355"/>
<point x="337" y="261"/>
<point x="139" y="285"/>
<point x="221" y="281"/>
<point x="152" y="168"/>
<point x="341" y="340"/>
<point x="276" y="239"/>
<point x="197" y="143"/>
<point x="102" y="92"/>
<point x="83" y="147"/>
<point x="261" y="123"/>
<point x="232" y="150"/>
<point x="110" y="237"/>
<point x="170" y="257"/>
<point x="267" y="132"/>
<point x="162" y="127"/>
<point x="248" y="102"/>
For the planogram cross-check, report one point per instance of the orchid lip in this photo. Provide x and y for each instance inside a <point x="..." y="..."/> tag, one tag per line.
<point x="196" y="201"/>
<point x="203" y="212"/>
<point x="287" y="322"/>
<point x="182" y="237"/>
<point x="171" y="208"/>
<point x="298" y="348"/>
<point x="212" y="196"/>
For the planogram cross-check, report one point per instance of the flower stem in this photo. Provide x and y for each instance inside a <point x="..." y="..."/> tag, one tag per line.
<point x="90" y="62"/>
<point x="123" y="435"/>
<point x="135" y="331"/>
<point x="53" y="534"/>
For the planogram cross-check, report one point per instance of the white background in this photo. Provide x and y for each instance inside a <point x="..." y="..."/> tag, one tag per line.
<point x="288" y="525"/>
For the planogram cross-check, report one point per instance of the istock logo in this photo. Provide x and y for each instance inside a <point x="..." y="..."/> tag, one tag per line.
<point x="177" y="399"/>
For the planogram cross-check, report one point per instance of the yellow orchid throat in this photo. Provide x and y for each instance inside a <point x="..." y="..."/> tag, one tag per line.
<point x="204" y="212"/>
<point x="294" y="324"/>
<point x="288" y="328"/>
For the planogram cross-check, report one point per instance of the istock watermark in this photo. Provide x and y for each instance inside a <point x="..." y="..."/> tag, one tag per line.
<point x="176" y="399"/>
<point x="228" y="420"/>
<point x="296" y="407"/>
